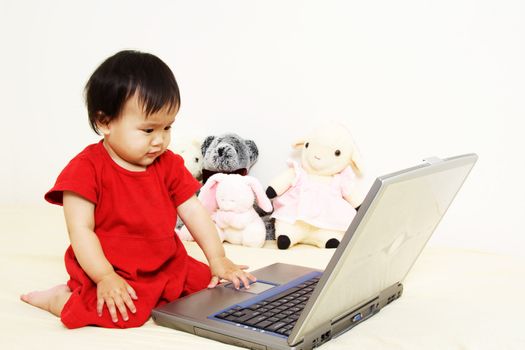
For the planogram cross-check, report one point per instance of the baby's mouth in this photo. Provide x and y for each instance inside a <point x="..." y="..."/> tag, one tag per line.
<point x="153" y="154"/>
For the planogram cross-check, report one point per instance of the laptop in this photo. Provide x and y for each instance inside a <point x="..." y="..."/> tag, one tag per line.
<point x="294" y="307"/>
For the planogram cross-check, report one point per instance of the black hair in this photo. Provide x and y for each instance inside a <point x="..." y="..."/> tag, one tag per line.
<point x="122" y="75"/>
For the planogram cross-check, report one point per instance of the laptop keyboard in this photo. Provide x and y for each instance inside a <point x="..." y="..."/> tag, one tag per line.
<point x="277" y="314"/>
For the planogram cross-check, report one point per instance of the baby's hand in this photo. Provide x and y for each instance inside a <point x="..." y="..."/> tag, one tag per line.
<point x="222" y="267"/>
<point x="114" y="291"/>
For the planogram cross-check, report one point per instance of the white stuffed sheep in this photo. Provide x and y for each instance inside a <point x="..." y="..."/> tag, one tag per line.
<point x="316" y="200"/>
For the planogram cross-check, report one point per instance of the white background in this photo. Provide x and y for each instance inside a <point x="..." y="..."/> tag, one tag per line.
<point x="410" y="78"/>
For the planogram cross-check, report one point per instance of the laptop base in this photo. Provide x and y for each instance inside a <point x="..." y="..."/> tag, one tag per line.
<point x="185" y="314"/>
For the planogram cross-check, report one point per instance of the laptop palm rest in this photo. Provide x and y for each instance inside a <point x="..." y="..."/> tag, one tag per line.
<point x="255" y="288"/>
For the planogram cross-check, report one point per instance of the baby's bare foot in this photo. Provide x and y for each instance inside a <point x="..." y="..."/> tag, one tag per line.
<point x="52" y="299"/>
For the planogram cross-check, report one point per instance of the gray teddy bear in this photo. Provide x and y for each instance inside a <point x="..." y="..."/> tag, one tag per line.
<point x="228" y="154"/>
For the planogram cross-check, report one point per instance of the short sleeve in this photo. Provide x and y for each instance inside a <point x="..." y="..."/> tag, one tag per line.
<point x="346" y="178"/>
<point x="181" y="184"/>
<point x="79" y="176"/>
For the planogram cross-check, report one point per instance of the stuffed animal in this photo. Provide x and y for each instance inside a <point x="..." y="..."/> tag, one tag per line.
<point x="229" y="198"/>
<point x="314" y="201"/>
<point x="190" y="151"/>
<point x="228" y="154"/>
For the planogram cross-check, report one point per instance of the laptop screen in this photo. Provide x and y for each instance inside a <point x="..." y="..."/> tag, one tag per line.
<point x="391" y="229"/>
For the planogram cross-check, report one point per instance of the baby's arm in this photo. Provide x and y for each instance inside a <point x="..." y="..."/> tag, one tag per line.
<point x="112" y="289"/>
<point x="199" y="223"/>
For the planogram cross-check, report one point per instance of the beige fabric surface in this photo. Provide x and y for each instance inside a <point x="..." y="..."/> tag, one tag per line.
<point x="453" y="298"/>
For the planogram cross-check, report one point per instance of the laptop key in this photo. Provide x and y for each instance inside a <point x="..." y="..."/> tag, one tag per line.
<point x="223" y="315"/>
<point x="282" y="330"/>
<point x="289" y="320"/>
<point x="283" y="294"/>
<point x="248" y="316"/>
<point x="274" y="327"/>
<point x="255" y="306"/>
<point x="263" y="324"/>
<point x="253" y="321"/>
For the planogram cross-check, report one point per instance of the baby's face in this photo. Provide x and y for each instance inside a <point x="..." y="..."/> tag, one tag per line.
<point x="134" y="141"/>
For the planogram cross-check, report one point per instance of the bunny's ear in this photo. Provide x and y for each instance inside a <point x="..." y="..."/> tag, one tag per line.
<point x="262" y="200"/>
<point x="208" y="192"/>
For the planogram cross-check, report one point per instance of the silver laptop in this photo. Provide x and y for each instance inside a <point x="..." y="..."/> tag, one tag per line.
<point x="294" y="307"/>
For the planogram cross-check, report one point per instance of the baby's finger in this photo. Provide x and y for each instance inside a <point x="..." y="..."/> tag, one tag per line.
<point x="132" y="292"/>
<point x="213" y="282"/>
<point x="245" y="281"/>
<point x="129" y="303"/>
<point x="235" y="280"/>
<point x="100" y="306"/>
<point x="243" y="267"/>
<point x="251" y="277"/>
<point x="112" y="311"/>
<point x="122" y="308"/>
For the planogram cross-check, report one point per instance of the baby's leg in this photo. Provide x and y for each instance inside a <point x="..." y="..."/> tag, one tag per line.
<point x="52" y="299"/>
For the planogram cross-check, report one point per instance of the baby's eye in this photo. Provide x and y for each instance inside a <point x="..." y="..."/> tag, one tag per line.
<point x="148" y="131"/>
<point x="167" y="128"/>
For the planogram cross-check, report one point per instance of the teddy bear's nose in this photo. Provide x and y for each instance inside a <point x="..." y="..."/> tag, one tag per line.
<point x="220" y="151"/>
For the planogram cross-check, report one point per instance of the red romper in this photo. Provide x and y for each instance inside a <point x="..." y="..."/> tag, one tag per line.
<point x="135" y="217"/>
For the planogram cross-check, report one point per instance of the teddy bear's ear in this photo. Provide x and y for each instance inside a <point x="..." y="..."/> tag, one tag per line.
<point x="206" y="143"/>
<point x="298" y="143"/>
<point x="254" y="151"/>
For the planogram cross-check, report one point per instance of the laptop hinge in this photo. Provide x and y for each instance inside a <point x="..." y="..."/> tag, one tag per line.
<point x="322" y="334"/>
<point x="432" y="160"/>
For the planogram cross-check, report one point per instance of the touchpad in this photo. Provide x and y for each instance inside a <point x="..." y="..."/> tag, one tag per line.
<point x="255" y="288"/>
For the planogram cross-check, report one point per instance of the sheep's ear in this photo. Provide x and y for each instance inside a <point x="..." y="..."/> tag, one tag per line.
<point x="298" y="143"/>
<point x="206" y="143"/>
<point x="356" y="162"/>
<point x="254" y="151"/>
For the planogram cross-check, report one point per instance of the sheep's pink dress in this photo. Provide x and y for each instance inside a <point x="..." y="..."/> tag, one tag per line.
<point x="319" y="204"/>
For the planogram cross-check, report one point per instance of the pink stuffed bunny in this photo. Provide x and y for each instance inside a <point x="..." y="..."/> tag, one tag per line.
<point x="229" y="198"/>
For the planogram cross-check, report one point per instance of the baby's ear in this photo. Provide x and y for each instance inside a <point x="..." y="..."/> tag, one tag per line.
<point x="102" y="122"/>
